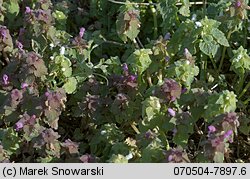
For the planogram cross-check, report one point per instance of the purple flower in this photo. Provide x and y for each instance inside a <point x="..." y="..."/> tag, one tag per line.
<point x="3" y="32"/>
<point x="21" y="31"/>
<point x="170" y="158"/>
<point x="215" y="142"/>
<point x="16" y="95"/>
<point x="167" y="36"/>
<point x="125" y="67"/>
<point x="24" y="85"/>
<point x="132" y="78"/>
<point x="19" y="45"/>
<point x="174" y="131"/>
<point x="172" y="98"/>
<point x="167" y="58"/>
<point x="211" y="129"/>
<point x="228" y="134"/>
<point x="81" y="33"/>
<point x="232" y="119"/>
<point x="171" y="112"/>
<point x="72" y="147"/>
<point x="27" y="10"/>
<point x="176" y="156"/>
<point x="33" y="116"/>
<point x="19" y="125"/>
<point x="32" y="120"/>
<point x="148" y="134"/>
<point x="47" y="93"/>
<point x="87" y="158"/>
<point x="237" y="4"/>
<point x="183" y="90"/>
<point x="5" y="79"/>
<point x="170" y="89"/>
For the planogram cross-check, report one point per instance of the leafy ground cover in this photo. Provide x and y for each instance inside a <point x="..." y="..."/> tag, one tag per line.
<point x="124" y="81"/>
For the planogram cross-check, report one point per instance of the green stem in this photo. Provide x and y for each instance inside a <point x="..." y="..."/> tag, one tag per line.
<point x="113" y="43"/>
<point x="154" y="12"/>
<point x="245" y="34"/>
<point x="241" y="82"/>
<point x="102" y="76"/>
<point x="224" y="51"/>
<point x="139" y="42"/>
<point x="247" y="101"/>
<point x="214" y="64"/>
<point x="136" y="44"/>
<point x="203" y="74"/>
<point x="204" y="7"/>
<point x="149" y="79"/>
<point x="131" y="3"/>
<point x="148" y="4"/>
<point x="135" y="128"/>
<point x="160" y="76"/>
<point x="244" y="90"/>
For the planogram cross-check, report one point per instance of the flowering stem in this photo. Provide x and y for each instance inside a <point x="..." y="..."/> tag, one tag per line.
<point x="102" y="76"/>
<point x="160" y="76"/>
<point x="244" y="90"/>
<point x="139" y="42"/>
<point x="246" y="101"/>
<point x="224" y="51"/>
<point x="204" y="3"/>
<point x="113" y="42"/>
<point x="149" y="79"/>
<point x="241" y="82"/>
<point x="203" y="73"/>
<point x="132" y="3"/>
<point x="154" y="12"/>
<point x="135" y="128"/>
<point x="214" y="64"/>
<point x="136" y="44"/>
<point x="139" y="45"/>
<point x="150" y="3"/>
<point x="245" y="34"/>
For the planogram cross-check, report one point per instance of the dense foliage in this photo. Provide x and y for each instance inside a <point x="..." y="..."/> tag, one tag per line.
<point x="124" y="81"/>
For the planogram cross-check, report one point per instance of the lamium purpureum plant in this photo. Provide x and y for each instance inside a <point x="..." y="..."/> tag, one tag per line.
<point x="124" y="81"/>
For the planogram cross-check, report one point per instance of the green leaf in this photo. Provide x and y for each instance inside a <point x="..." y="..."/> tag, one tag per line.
<point x="10" y="140"/>
<point x="209" y="24"/>
<point x="78" y="134"/>
<point x="184" y="128"/>
<point x="128" y="23"/>
<point x="184" y="71"/>
<point x="244" y="124"/>
<point x="184" y="10"/>
<point x="220" y="37"/>
<point x="31" y="132"/>
<point x="181" y="138"/>
<point x="52" y="116"/>
<point x="150" y="107"/>
<point x="185" y="36"/>
<point x="70" y="85"/>
<point x="12" y="8"/>
<point x="220" y="103"/>
<point x="208" y="46"/>
<point x="140" y="60"/>
<point x="218" y="157"/>
<point x="153" y="152"/>
<point x="133" y="30"/>
<point x="118" y="159"/>
<point x="82" y="71"/>
<point x="240" y="61"/>
<point x="168" y="11"/>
